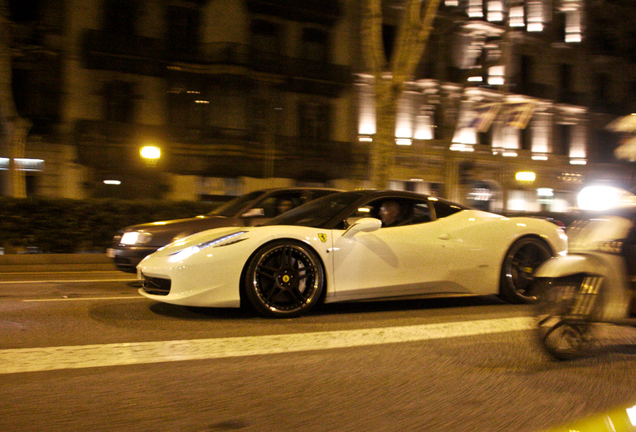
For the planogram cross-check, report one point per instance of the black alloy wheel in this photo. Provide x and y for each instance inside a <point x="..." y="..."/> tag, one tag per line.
<point x="519" y="265"/>
<point x="284" y="279"/>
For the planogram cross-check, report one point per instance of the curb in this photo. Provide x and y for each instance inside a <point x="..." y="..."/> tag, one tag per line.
<point x="67" y="262"/>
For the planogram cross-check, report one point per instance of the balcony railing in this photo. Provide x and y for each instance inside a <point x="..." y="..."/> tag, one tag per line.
<point x="121" y="52"/>
<point x="150" y="56"/>
<point x="324" y="12"/>
<point x="214" y="151"/>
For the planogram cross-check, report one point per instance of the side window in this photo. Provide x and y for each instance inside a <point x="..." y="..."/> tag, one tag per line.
<point x="280" y="203"/>
<point x="369" y="210"/>
<point x="315" y="194"/>
<point x="443" y="209"/>
<point x="396" y="211"/>
<point x="421" y="213"/>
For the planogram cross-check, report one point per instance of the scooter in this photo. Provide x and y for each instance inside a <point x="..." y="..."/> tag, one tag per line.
<point x="594" y="283"/>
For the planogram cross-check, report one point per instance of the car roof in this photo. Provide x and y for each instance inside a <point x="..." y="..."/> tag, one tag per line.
<point x="380" y="193"/>
<point x="296" y="188"/>
<point x="352" y="199"/>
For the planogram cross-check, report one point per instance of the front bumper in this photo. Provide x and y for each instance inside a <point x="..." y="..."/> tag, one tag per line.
<point x="127" y="258"/>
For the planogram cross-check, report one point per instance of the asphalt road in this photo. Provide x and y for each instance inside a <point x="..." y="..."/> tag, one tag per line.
<point x="81" y="350"/>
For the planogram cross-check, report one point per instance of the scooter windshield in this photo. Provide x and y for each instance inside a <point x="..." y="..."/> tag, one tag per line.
<point x="587" y="235"/>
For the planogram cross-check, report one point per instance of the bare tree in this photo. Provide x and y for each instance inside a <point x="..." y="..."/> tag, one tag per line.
<point x="13" y="128"/>
<point x="412" y="37"/>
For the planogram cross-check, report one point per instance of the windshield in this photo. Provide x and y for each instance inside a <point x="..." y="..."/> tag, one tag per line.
<point x="318" y="212"/>
<point x="233" y="207"/>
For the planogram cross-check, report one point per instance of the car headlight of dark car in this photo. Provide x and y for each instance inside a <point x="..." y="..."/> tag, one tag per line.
<point x="132" y="238"/>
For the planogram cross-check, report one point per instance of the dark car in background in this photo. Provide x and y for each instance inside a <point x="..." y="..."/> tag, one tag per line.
<point x="134" y="243"/>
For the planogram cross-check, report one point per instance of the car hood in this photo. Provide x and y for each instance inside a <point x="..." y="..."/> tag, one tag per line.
<point x="164" y="232"/>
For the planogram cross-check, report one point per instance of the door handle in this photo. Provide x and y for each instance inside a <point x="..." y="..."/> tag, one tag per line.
<point x="444" y="237"/>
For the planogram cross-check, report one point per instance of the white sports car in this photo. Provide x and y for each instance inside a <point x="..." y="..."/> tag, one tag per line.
<point x="337" y="249"/>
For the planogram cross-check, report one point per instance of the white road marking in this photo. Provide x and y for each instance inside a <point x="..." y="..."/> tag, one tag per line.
<point x="121" y="354"/>
<point x="65" y="281"/>
<point x="83" y="298"/>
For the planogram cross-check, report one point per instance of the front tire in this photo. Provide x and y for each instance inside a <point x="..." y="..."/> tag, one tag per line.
<point x="520" y="263"/>
<point x="284" y="279"/>
<point x="560" y="332"/>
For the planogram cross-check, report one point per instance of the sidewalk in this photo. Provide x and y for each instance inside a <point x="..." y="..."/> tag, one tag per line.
<point x="55" y="262"/>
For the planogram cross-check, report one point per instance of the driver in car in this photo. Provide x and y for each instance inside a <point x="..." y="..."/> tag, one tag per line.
<point x="390" y="213"/>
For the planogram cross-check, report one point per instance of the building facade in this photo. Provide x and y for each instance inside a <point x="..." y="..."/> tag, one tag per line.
<point x="507" y="110"/>
<point x="236" y="95"/>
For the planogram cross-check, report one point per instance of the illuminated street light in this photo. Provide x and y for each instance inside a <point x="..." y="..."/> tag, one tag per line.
<point x="525" y="176"/>
<point x="151" y="154"/>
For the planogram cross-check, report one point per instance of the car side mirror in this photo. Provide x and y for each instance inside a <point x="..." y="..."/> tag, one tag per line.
<point x="254" y="212"/>
<point x="362" y="225"/>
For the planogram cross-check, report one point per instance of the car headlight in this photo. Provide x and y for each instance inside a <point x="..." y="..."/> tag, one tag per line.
<point x="135" y="238"/>
<point x="221" y="241"/>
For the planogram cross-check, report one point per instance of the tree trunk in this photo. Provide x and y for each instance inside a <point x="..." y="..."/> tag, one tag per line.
<point x="414" y="30"/>
<point x="19" y="129"/>
<point x="13" y="129"/>
<point x="384" y="140"/>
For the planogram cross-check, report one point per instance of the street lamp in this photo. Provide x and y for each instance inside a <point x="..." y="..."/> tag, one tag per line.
<point x="150" y="154"/>
<point x="525" y="177"/>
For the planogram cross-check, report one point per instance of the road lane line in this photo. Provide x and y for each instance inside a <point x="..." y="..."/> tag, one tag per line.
<point x="131" y="353"/>
<point x="137" y="297"/>
<point x="65" y="281"/>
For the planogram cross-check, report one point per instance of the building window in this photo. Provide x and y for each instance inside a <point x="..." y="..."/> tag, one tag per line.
<point x="526" y="138"/>
<point x="315" y="45"/>
<point x="266" y="37"/>
<point x="119" y="102"/>
<point x="563" y="138"/>
<point x="485" y="138"/>
<point x="495" y="10"/>
<point x="183" y="29"/>
<point x="187" y="106"/>
<point x="120" y="16"/>
<point x="517" y="16"/>
<point x="314" y="121"/>
<point x="573" y="32"/>
<point x="496" y="75"/>
<point x="535" y="16"/>
<point x="475" y="8"/>
<point x="565" y="83"/>
<point x="37" y="96"/>
<point x="601" y="89"/>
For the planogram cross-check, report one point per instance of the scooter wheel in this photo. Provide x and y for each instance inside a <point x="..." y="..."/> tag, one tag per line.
<point x="563" y="340"/>
<point x="561" y="336"/>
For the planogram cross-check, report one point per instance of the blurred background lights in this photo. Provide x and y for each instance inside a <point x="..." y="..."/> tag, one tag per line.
<point x="604" y="197"/>
<point x="545" y="192"/>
